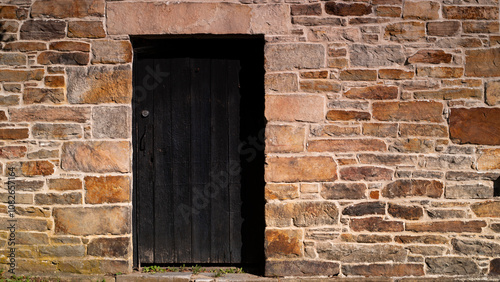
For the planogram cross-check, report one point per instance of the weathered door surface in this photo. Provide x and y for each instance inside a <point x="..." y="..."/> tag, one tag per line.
<point x="189" y="203"/>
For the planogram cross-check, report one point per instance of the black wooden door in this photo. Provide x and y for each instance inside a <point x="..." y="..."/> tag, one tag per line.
<point x="188" y="170"/>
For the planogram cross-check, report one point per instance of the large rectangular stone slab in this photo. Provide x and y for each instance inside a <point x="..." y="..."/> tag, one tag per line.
<point x="298" y="169"/>
<point x="92" y="220"/>
<point x="482" y="62"/>
<point x="94" y="156"/>
<point x="475" y="126"/>
<point x="294" y="55"/>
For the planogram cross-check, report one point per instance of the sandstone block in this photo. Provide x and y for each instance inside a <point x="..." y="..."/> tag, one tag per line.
<point x="488" y="159"/>
<point x="281" y="82"/>
<point x="347" y="9"/>
<point x="470" y="13"/>
<point x="306" y="10"/>
<point x="58" y="199"/>
<point x="412" y="145"/>
<point x="482" y="62"/>
<point x="285" y="138"/>
<point x="308" y="108"/>
<point x="376" y="92"/>
<point x="447" y="161"/>
<point x="361" y="253"/>
<point x="425" y="130"/>
<point x="486" y="209"/>
<point x="366" y="173"/>
<point x="54" y="81"/>
<point x="294" y="55"/>
<point x="43" y="96"/>
<point x="366" y="238"/>
<point x="493" y="93"/>
<point x="281" y="191"/>
<point x="28" y="224"/>
<point x="380" y="129"/>
<point x="339" y="115"/>
<point x="320" y="86"/>
<point x="388" y="160"/>
<point x="331" y="130"/>
<point x="12" y="59"/>
<point x="178" y="18"/>
<point x="408" y="111"/>
<point x="14" y="133"/>
<point x="375" y="224"/>
<point x="446" y="214"/>
<point x="430" y="57"/>
<point x="111" y="122"/>
<point x="107" y="189"/>
<point x="9" y="26"/>
<point x="94" y="156"/>
<point x="421" y="10"/>
<point x="301" y="268"/>
<point x="495" y="267"/>
<point x="64" y="184"/>
<point x="12" y="152"/>
<point x="475" y="247"/>
<point x="99" y="84"/>
<point x="361" y="209"/>
<point x="64" y="9"/>
<point x="25" y="46"/>
<point x="405" y="212"/>
<point x="384" y="270"/>
<point x="61" y="251"/>
<point x="109" y="247"/>
<point x="26" y="185"/>
<point x="21" y="75"/>
<point x="405" y="31"/>
<point x="63" y="58"/>
<point x="413" y="188"/>
<point x="388" y="11"/>
<point x="314" y="213"/>
<point x="43" y="30"/>
<point x="337" y="63"/>
<point x="446" y="226"/>
<point x="296" y="169"/>
<point x="469" y="192"/>
<point x="314" y="74"/>
<point x="480" y="27"/>
<point x="343" y="191"/>
<point x="440" y="72"/>
<point x="32" y="238"/>
<point x="92" y="220"/>
<point x="111" y="52"/>
<point x="475" y="126"/>
<point x="86" y="29"/>
<point x="451" y="266"/>
<point x="44" y="154"/>
<point x="283" y="243"/>
<point x="422" y="239"/>
<point x="443" y="29"/>
<point x="70" y="46"/>
<point x="358" y="75"/>
<point x="376" y="56"/>
<point x="347" y="145"/>
<point x="31" y="168"/>
<point x="50" y="114"/>
<point x="9" y="100"/>
<point x="317" y="21"/>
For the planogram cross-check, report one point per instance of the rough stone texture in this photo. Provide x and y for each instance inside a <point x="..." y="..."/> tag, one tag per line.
<point x="405" y="212"/>
<point x="413" y="188"/>
<point x="346" y="191"/>
<point x="58" y="199"/>
<point x="421" y="10"/>
<point x="338" y="115"/>
<point x="14" y="133"/>
<point x="384" y="270"/>
<point x="285" y="138"/>
<point x="451" y="266"/>
<point x="86" y="29"/>
<point x="470" y="13"/>
<point x="43" y="30"/>
<point x="308" y="108"/>
<point x="64" y="184"/>
<point x="21" y="75"/>
<point x="43" y="96"/>
<point x="281" y="191"/>
<point x="12" y="152"/>
<point x="95" y="156"/>
<point x="493" y="93"/>
<point x="488" y="159"/>
<point x="111" y="122"/>
<point x="284" y="243"/>
<point x="377" y="92"/>
<point x="107" y="189"/>
<point x="475" y="247"/>
<point x="446" y="226"/>
<point x="281" y="83"/>
<point x="430" y="57"/>
<point x="376" y="224"/>
<point x="49" y="114"/>
<point x="405" y="31"/>
<point x="495" y="267"/>
<point x="364" y="209"/>
<point x="486" y="209"/>
<point x="31" y="168"/>
<point x="469" y="192"/>
<point x="366" y="173"/>
<point x="286" y="169"/>
<point x="408" y="111"/>
<point x="99" y="84"/>
<point x="111" y="52"/>
<point x="483" y="62"/>
<point x="92" y="220"/>
<point x="63" y="58"/>
<point x="346" y="145"/>
<point x="65" y="9"/>
<point x="301" y="268"/>
<point x="109" y="247"/>
<point x="475" y="126"/>
<point x="359" y="253"/>
<point x="291" y="56"/>
<point x="376" y="56"/>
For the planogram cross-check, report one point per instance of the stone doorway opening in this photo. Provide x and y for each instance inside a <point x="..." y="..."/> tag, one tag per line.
<point x="198" y="133"/>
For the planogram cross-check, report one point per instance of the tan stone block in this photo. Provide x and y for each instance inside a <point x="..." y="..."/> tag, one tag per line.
<point x="177" y="18"/>
<point x="395" y="74"/>
<point x="430" y="57"/>
<point x="486" y="209"/>
<point x="421" y="10"/>
<point x="63" y="58"/>
<point x="320" y="86"/>
<point x="427" y="130"/>
<point x="449" y="94"/>
<point x="347" y="145"/>
<point x="408" y="111"/>
<point x="349" y="253"/>
<point x="94" y="156"/>
<point x="58" y="199"/>
<point x="412" y="145"/>
<point x="384" y="270"/>
<point x="339" y="115"/>
<point x="282" y="243"/>
<point x="347" y="9"/>
<point x="331" y="130"/>
<point x="70" y="46"/>
<point x="43" y="96"/>
<point x="376" y="92"/>
<point x="314" y="74"/>
<point x="296" y="169"/>
<point x="111" y="122"/>
<point x="43" y="30"/>
<point x="358" y="75"/>
<point x="21" y="75"/>
<point x="57" y="131"/>
<point x="475" y="126"/>
<point x="405" y="212"/>
<point x="488" y="159"/>
<point x="307" y="108"/>
<point x="493" y="93"/>
<point x="111" y="52"/>
<point x="14" y="133"/>
<point x="482" y="62"/>
<point x="110" y="247"/>
<point x="405" y="31"/>
<point x="470" y="12"/>
<point x="281" y="191"/>
<point x="44" y="154"/>
<point x="281" y="82"/>
<point x="285" y="138"/>
<point x="423" y="239"/>
<point x="388" y="11"/>
<point x="30" y="168"/>
<point x="338" y="63"/>
<point x="28" y="224"/>
<point x="12" y="152"/>
<point x="9" y="100"/>
<point x="380" y="129"/>
<point x="366" y="173"/>
<point x="107" y="189"/>
<point x="447" y="28"/>
<point x="64" y="184"/>
<point x="413" y="188"/>
<point x="86" y="29"/>
<point x="292" y="56"/>
<point x="25" y="46"/>
<point x="375" y="224"/>
<point x="269" y="19"/>
<point x="64" y="9"/>
<point x="387" y="159"/>
<point x="480" y="27"/>
<point x="92" y="220"/>
<point x="55" y="81"/>
<point x="99" y="84"/>
<point x="454" y="226"/>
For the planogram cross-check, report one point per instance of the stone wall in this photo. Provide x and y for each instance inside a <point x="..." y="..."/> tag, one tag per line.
<point x="382" y="142"/>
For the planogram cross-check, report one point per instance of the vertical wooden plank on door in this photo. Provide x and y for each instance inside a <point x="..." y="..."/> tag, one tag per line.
<point x="235" y="201"/>
<point x="181" y="132"/>
<point x="164" y="227"/>
<point x="200" y="159"/>
<point x="220" y="252"/>
<point x="144" y="175"/>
